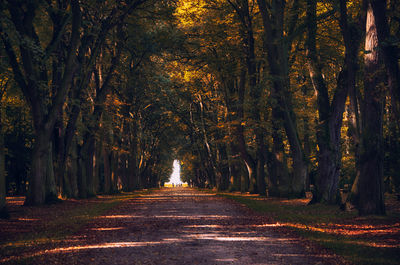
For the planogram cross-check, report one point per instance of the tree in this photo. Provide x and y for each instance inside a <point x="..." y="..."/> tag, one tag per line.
<point x="278" y="46"/>
<point x="3" y="209"/>
<point x="31" y="75"/>
<point x="330" y="112"/>
<point x="371" y="190"/>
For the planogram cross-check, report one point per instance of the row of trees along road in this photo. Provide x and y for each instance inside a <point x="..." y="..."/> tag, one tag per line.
<point x="272" y="97"/>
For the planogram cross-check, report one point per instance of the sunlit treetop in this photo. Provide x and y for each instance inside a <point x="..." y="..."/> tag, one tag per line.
<point x="192" y="13"/>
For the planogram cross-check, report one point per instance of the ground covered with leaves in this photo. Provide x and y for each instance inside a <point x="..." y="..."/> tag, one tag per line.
<point x="166" y="226"/>
<point x="360" y="240"/>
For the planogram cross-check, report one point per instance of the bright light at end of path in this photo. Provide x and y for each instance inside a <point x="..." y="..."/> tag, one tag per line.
<point x="176" y="174"/>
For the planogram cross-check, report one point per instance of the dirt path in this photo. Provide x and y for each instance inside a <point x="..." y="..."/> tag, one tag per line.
<point x="181" y="226"/>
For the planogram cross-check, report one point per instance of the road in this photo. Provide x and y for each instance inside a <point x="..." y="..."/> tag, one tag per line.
<point x="182" y="226"/>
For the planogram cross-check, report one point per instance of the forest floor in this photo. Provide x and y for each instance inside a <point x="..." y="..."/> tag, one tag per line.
<point x="164" y="226"/>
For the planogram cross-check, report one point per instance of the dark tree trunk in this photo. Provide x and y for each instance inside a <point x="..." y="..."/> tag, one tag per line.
<point x="352" y="39"/>
<point x="123" y="172"/>
<point x="253" y="165"/>
<point x="113" y="170"/>
<point x="132" y="165"/>
<point x="389" y="53"/>
<point x="37" y="182"/>
<point x="81" y="170"/>
<point x="244" y="180"/>
<point x="277" y="57"/>
<point x="261" y="151"/>
<point x="224" y="183"/>
<point x="371" y="193"/>
<point x="50" y="183"/>
<point x="249" y="183"/>
<point x="88" y="153"/>
<point x="307" y="148"/>
<point x="30" y="73"/>
<point x="355" y="130"/>
<point x="326" y="183"/>
<point x="236" y="116"/>
<point x="330" y="113"/>
<point x="72" y="169"/>
<point x="107" y="171"/>
<point x="234" y="171"/>
<point x="279" y="178"/>
<point x="3" y="209"/>
<point x="257" y="182"/>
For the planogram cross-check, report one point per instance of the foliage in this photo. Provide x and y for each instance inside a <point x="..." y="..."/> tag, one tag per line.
<point x="148" y="82"/>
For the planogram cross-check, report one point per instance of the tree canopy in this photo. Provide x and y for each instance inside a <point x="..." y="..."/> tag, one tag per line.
<point x="278" y="98"/>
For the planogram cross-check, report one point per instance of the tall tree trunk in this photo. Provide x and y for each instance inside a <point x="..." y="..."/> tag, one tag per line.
<point x="134" y="169"/>
<point x="244" y="180"/>
<point x="42" y="187"/>
<point x="352" y="40"/>
<point x="82" y="176"/>
<point x="31" y="75"/>
<point x="224" y="167"/>
<point x="114" y="169"/>
<point x="72" y="169"/>
<point x="36" y="192"/>
<point x="248" y="183"/>
<point x="234" y="171"/>
<point x="355" y="128"/>
<point x="257" y="176"/>
<point x="3" y="209"/>
<point x="88" y="156"/>
<point x="50" y="183"/>
<point x="107" y="170"/>
<point x="389" y="53"/>
<point x="326" y="183"/>
<point x="235" y="115"/>
<point x="132" y="157"/>
<point x="330" y="113"/>
<point x="278" y="60"/>
<point x="132" y="172"/>
<point x="307" y="148"/>
<point x="246" y="32"/>
<point x="279" y="178"/>
<point x="371" y="197"/>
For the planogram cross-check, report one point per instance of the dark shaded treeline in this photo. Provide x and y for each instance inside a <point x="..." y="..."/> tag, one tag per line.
<point x="271" y="97"/>
<point x="93" y="121"/>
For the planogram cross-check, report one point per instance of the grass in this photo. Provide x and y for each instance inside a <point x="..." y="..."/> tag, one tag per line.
<point x="65" y="223"/>
<point x="317" y="223"/>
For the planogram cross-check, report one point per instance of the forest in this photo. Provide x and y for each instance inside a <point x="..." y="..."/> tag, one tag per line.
<point x="276" y="98"/>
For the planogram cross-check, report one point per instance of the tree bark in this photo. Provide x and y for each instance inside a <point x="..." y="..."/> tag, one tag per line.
<point x="72" y="169"/>
<point x="307" y="148"/>
<point x="3" y="209"/>
<point x="81" y="170"/>
<point x="87" y="157"/>
<point x="50" y="183"/>
<point x="257" y="175"/>
<point x="36" y="193"/>
<point x="114" y="169"/>
<point x="277" y="56"/>
<point x="389" y="53"/>
<point x="371" y="197"/>
<point x="30" y="74"/>
<point x="330" y="113"/>
<point x="133" y="150"/>
<point x="223" y="167"/>
<point x="234" y="171"/>
<point x="279" y="178"/>
<point x="107" y="170"/>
